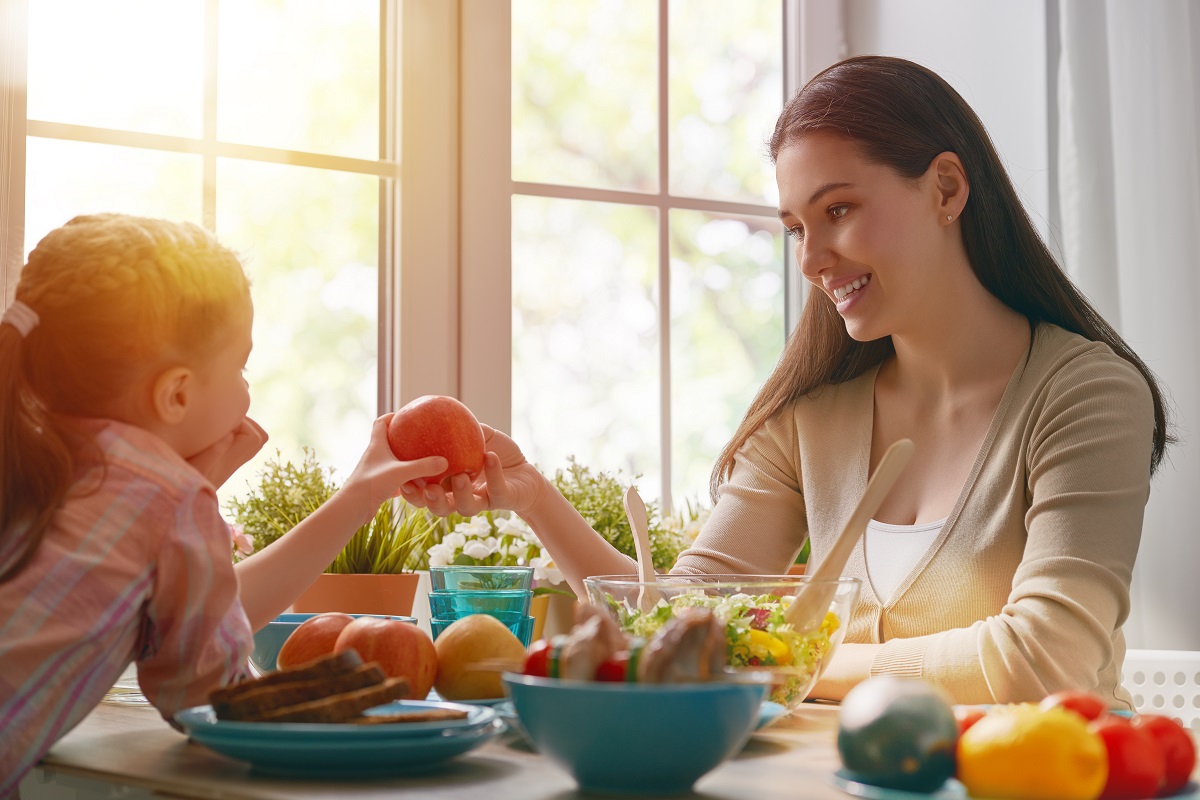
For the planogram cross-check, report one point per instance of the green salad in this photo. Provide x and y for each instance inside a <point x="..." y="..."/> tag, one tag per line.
<point x="755" y="633"/>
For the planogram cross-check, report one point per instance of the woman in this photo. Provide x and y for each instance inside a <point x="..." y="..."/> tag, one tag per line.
<point x="999" y="565"/>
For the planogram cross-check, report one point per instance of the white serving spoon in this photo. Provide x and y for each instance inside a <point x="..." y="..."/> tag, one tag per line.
<point x="813" y="599"/>
<point x="635" y="509"/>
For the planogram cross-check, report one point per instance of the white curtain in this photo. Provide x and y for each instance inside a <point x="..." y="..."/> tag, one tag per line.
<point x="1129" y="188"/>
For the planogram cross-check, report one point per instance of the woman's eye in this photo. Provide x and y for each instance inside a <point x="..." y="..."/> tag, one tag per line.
<point x="796" y="233"/>
<point x="838" y="213"/>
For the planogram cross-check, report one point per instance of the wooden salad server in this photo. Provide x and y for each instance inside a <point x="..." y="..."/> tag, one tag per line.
<point x="812" y="600"/>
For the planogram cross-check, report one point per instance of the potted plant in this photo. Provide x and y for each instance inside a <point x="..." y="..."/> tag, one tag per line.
<point x="373" y="574"/>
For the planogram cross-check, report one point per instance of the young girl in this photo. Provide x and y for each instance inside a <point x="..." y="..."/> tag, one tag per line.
<point x="122" y="405"/>
<point x="999" y="565"/>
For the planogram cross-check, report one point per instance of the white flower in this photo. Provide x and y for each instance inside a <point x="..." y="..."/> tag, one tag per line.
<point x="454" y="541"/>
<point x="477" y="527"/>
<point x="544" y="570"/>
<point x="440" y="555"/>
<point x="477" y="550"/>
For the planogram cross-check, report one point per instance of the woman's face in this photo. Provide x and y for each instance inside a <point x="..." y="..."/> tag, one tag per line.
<point x="865" y="236"/>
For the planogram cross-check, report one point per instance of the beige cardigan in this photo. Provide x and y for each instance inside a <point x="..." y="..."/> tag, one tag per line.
<point x="1025" y="590"/>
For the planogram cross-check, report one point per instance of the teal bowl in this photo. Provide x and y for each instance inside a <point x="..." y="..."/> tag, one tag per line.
<point x="460" y="577"/>
<point x="445" y="604"/>
<point x="269" y="640"/>
<point x="520" y="624"/>
<point x="635" y="738"/>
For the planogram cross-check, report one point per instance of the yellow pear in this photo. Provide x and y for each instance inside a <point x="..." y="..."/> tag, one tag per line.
<point x="464" y="643"/>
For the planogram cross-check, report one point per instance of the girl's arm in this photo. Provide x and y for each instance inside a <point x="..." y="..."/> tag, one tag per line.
<point x="510" y="482"/>
<point x="271" y="579"/>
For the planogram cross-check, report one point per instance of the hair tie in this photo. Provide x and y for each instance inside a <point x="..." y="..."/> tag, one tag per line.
<point x="21" y="317"/>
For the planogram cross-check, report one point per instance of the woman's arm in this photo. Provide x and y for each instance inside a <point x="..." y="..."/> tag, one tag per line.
<point x="510" y="482"/>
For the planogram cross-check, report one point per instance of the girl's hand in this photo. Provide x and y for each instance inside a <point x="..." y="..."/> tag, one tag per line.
<point x="508" y="482"/>
<point x="379" y="476"/>
<point x="222" y="459"/>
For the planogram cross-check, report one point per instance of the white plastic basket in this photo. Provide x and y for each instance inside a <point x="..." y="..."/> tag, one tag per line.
<point x="1165" y="682"/>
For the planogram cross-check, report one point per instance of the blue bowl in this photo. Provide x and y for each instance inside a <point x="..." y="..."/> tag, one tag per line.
<point x="269" y="640"/>
<point x="461" y="577"/>
<point x="454" y="604"/>
<point x="635" y="738"/>
<point x="520" y="624"/>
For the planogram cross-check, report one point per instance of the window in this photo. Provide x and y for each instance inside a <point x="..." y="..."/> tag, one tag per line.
<point x="561" y="213"/>
<point x="648" y="277"/>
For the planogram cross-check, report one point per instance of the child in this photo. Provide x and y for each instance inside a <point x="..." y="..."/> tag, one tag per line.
<point x="122" y="405"/>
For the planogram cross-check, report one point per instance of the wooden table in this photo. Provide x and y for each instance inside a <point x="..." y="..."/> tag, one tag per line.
<point x="133" y="747"/>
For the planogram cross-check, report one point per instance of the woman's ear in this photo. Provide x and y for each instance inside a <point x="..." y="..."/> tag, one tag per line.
<point x="950" y="184"/>
<point x="171" y="394"/>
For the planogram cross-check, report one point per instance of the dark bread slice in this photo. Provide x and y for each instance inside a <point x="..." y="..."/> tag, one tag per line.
<point x="323" y="667"/>
<point x="258" y="700"/>
<point x="339" y="707"/>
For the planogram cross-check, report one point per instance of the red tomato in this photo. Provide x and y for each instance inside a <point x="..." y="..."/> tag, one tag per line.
<point x="537" y="661"/>
<point x="1085" y="704"/>
<point x="1178" y="749"/>
<point x="967" y="716"/>
<point x="1135" y="761"/>
<point x="613" y="669"/>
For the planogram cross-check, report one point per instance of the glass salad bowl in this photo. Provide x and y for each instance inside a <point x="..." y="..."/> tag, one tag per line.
<point x="751" y="607"/>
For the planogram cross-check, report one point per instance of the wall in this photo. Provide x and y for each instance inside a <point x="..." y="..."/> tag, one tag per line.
<point x="993" y="52"/>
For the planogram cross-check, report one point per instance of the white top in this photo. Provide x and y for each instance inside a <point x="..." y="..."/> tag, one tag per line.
<point x="892" y="551"/>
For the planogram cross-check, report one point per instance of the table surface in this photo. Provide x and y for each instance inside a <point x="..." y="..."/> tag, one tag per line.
<point x="133" y="746"/>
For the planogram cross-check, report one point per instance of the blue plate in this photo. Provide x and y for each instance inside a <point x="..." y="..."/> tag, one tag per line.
<point x="345" y="750"/>
<point x="203" y="718"/>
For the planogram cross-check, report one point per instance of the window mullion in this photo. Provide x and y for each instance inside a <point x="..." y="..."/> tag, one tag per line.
<point x="14" y="33"/>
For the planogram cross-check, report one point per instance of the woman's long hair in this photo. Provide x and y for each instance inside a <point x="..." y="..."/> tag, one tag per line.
<point x="902" y="115"/>
<point x="115" y="296"/>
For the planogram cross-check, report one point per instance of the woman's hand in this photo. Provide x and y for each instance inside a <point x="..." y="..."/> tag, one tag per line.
<point x="231" y="451"/>
<point x="379" y="476"/>
<point x="508" y="482"/>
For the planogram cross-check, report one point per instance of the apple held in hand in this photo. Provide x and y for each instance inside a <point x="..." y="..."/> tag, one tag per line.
<point x="436" y="425"/>
<point x="313" y="638"/>
<point x="401" y="649"/>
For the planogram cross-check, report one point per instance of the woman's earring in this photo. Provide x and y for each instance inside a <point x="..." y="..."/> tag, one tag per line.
<point x="949" y="218"/>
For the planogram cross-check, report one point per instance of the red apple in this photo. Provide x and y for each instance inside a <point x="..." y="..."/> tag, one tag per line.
<point x="401" y="649"/>
<point x="313" y="638"/>
<point x="436" y="425"/>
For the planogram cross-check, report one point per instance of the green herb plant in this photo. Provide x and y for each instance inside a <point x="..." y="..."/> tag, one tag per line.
<point x="599" y="498"/>
<point x="288" y="492"/>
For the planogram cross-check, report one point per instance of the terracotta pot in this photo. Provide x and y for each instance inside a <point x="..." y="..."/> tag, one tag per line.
<point x="796" y="569"/>
<point x="360" y="594"/>
<point x="552" y="614"/>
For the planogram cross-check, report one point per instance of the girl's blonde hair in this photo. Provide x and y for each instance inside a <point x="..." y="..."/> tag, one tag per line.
<point x="115" y="296"/>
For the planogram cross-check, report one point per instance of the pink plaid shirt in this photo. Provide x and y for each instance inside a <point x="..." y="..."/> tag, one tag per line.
<point x="138" y="570"/>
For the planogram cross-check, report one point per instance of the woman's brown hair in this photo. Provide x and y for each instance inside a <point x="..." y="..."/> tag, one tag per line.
<point x="901" y="115"/>
<point x="114" y="295"/>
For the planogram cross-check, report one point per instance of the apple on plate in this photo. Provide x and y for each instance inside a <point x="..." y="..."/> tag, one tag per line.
<point x="437" y="425"/>
<point x="401" y="649"/>
<point x="313" y="638"/>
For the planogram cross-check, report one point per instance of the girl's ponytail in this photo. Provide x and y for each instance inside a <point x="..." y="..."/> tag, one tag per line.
<point x="36" y="461"/>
